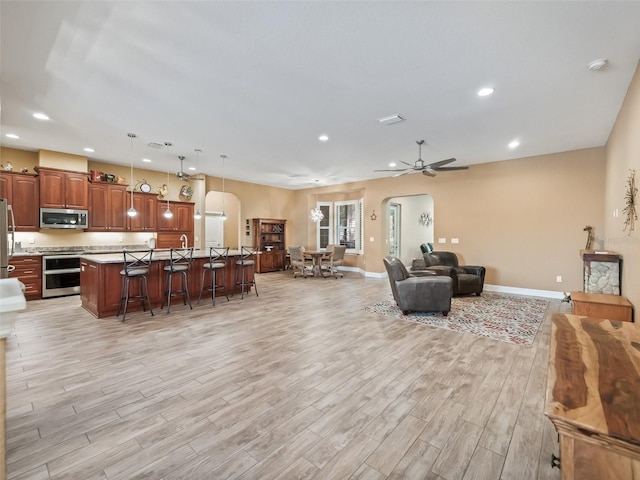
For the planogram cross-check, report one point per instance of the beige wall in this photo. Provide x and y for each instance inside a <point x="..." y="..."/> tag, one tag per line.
<point x="522" y="219"/>
<point x="18" y="158"/>
<point x="623" y="155"/>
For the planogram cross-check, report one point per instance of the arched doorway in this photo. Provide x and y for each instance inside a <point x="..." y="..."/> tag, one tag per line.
<point x="408" y="224"/>
<point x="219" y="232"/>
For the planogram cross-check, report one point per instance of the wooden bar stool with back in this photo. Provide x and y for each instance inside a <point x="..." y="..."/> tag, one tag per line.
<point x="137" y="265"/>
<point x="245" y="269"/>
<point x="179" y="263"/>
<point x="217" y="263"/>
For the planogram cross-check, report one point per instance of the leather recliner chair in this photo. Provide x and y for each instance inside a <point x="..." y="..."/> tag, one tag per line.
<point x="467" y="279"/>
<point x="412" y="293"/>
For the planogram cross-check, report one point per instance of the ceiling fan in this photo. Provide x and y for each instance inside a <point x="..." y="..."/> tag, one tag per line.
<point x="181" y="175"/>
<point x="420" y="165"/>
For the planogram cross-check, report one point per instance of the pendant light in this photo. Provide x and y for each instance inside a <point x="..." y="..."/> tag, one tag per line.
<point x="315" y="214"/>
<point x="223" y="216"/>
<point x="132" y="211"/>
<point x="168" y="213"/>
<point x="197" y="215"/>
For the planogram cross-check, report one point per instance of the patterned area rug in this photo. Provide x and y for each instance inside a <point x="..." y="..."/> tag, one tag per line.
<point x="507" y="318"/>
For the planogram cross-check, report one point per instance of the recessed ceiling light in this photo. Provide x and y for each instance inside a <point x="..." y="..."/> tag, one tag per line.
<point x="514" y="144"/>
<point x="483" y="92"/>
<point x="597" y="64"/>
<point x="88" y="149"/>
<point x="391" y="119"/>
<point x="392" y="164"/>
<point x="323" y="138"/>
<point x="146" y="160"/>
<point x="12" y="135"/>
<point x="192" y="169"/>
<point x="40" y="116"/>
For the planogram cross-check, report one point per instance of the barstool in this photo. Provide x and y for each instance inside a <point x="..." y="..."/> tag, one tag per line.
<point x="137" y="264"/>
<point x="179" y="262"/>
<point x="245" y="274"/>
<point x="217" y="262"/>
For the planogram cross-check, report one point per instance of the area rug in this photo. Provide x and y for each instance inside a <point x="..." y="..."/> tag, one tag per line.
<point x="507" y="318"/>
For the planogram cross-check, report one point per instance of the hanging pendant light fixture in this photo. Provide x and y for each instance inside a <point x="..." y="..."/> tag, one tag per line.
<point x="315" y="214"/>
<point x="168" y="213"/>
<point x="223" y="216"/>
<point x="197" y="215"/>
<point x="132" y="211"/>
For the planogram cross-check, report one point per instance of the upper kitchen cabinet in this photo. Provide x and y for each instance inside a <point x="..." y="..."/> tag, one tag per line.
<point x="63" y="189"/>
<point x="22" y="192"/>
<point x="181" y="221"/>
<point x="146" y="219"/>
<point x="107" y="207"/>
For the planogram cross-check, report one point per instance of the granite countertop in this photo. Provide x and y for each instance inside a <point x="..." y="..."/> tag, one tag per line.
<point x="158" y="254"/>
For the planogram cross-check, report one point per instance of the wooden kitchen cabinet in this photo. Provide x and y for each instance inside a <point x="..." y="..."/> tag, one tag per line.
<point x="107" y="207"/>
<point x="22" y="192"/>
<point x="63" y="189"/>
<point x="28" y="271"/>
<point x="182" y="220"/>
<point x="269" y="238"/>
<point x="146" y="204"/>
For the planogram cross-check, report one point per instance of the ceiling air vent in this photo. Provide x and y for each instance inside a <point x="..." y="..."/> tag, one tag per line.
<point x="155" y="145"/>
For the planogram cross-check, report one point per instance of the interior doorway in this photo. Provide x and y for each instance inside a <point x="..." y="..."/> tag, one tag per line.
<point x="406" y="226"/>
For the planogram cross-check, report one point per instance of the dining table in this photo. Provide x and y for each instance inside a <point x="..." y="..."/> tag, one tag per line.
<point x="317" y="256"/>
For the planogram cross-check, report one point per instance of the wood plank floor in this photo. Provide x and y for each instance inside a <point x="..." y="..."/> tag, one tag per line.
<point x="299" y="382"/>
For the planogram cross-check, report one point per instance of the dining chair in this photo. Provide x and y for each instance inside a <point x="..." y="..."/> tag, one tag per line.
<point x="336" y="259"/>
<point x="245" y="269"/>
<point x="299" y="262"/>
<point x="217" y="263"/>
<point x="179" y="263"/>
<point x="136" y="265"/>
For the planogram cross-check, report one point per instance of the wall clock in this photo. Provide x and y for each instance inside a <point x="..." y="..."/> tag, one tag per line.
<point x="144" y="186"/>
<point x="630" y="202"/>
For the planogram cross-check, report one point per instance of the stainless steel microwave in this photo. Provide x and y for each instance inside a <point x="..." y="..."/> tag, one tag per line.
<point x="63" y="218"/>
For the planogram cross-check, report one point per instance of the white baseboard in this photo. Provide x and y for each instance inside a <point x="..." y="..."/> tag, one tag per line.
<point x="531" y="292"/>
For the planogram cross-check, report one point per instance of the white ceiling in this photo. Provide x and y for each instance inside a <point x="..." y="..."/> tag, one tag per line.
<point x="260" y="81"/>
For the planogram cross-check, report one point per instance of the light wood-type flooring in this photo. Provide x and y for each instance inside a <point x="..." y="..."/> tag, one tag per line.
<point x="299" y="382"/>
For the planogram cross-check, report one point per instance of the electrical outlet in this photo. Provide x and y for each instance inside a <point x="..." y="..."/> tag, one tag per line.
<point x="32" y="240"/>
<point x="559" y="279"/>
<point x="120" y="239"/>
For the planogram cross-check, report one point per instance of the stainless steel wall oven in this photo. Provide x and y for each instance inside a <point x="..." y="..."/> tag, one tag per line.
<point x="60" y="275"/>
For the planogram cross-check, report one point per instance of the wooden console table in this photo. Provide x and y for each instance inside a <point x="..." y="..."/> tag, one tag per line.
<point x="601" y="305"/>
<point x="593" y="394"/>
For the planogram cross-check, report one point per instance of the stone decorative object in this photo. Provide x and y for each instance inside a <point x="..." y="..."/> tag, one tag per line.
<point x="601" y="272"/>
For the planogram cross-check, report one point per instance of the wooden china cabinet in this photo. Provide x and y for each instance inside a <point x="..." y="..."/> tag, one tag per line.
<point x="269" y="237"/>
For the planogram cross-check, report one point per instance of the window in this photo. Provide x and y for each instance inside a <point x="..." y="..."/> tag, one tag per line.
<point x="341" y="225"/>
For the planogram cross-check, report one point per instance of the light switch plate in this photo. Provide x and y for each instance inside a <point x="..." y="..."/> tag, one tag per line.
<point x="442" y="240"/>
<point x="454" y="240"/>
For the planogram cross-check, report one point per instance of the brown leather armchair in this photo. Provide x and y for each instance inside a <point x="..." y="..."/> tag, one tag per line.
<point x="467" y="279"/>
<point x="412" y="293"/>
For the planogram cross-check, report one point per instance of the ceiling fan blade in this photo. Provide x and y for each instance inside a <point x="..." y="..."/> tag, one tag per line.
<point x="428" y="173"/>
<point x="412" y="165"/>
<point x="441" y="163"/>
<point x="445" y="169"/>
<point x="402" y="173"/>
<point x="393" y="170"/>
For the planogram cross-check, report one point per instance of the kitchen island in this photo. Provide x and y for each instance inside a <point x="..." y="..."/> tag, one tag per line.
<point x="101" y="282"/>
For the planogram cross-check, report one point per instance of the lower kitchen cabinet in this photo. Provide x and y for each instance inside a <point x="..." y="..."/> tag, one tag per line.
<point x="29" y="271"/>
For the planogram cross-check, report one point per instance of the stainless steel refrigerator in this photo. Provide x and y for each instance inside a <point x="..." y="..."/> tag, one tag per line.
<point x="7" y="237"/>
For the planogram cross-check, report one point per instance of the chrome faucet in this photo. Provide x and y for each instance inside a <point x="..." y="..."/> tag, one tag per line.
<point x="184" y="240"/>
